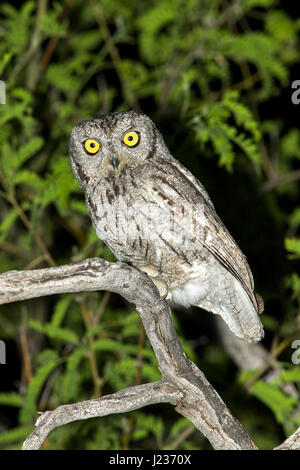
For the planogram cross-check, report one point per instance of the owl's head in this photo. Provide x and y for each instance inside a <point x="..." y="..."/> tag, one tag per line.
<point x="107" y="143"/>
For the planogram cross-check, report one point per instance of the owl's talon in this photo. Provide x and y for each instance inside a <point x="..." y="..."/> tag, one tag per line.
<point x="160" y="285"/>
<point x="150" y="270"/>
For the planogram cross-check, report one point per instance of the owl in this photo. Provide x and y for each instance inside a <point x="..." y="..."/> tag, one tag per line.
<point x="156" y="216"/>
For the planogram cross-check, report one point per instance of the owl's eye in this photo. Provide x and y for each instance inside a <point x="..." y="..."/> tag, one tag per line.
<point x="91" y="146"/>
<point x="131" y="139"/>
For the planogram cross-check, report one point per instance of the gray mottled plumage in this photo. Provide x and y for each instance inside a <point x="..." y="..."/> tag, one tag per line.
<point x="154" y="214"/>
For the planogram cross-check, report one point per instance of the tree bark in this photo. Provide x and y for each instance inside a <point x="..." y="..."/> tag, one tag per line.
<point x="182" y="384"/>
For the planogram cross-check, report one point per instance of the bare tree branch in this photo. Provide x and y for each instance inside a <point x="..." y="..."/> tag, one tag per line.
<point x="246" y="355"/>
<point x="253" y="356"/>
<point x="278" y="179"/>
<point x="193" y="395"/>
<point x="128" y="399"/>
<point x="291" y="443"/>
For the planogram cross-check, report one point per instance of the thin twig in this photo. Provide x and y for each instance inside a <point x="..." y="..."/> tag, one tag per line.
<point x="138" y="381"/>
<point x="25" y="354"/>
<point x="181" y="438"/>
<point x="35" y="262"/>
<point x="50" y="48"/>
<point x="277" y="180"/>
<point x="275" y="352"/>
<point x="102" y="306"/>
<point x="11" y="248"/>
<point x="87" y="316"/>
<point x="115" y="55"/>
<point x="26" y="221"/>
<point x="35" y="40"/>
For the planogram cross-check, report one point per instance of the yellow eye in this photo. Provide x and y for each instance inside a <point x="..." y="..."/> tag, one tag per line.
<point x="131" y="139"/>
<point x="91" y="146"/>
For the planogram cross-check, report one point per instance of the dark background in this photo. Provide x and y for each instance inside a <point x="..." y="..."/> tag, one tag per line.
<point x="64" y="62"/>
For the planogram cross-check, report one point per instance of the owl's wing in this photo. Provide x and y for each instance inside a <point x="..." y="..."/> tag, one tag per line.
<point x="174" y="189"/>
<point x="190" y="177"/>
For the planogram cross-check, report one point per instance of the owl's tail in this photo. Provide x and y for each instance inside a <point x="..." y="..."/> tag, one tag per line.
<point x="237" y="311"/>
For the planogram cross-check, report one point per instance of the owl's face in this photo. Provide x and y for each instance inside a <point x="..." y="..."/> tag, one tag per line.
<point x="108" y="143"/>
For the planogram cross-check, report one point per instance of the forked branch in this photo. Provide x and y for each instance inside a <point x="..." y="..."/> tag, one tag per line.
<point x="182" y="383"/>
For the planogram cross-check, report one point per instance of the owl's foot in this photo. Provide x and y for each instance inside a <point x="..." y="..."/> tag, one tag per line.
<point x="162" y="288"/>
<point x="152" y="272"/>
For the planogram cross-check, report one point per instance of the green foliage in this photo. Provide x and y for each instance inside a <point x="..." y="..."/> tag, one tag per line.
<point x="52" y="331"/>
<point x="209" y="73"/>
<point x="212" y="125"/>
<point x="293" y="245"/>
<point x="15" y="435"/>
<point x="10" y="399"/>
<point x="280" y="404"/>
<point x="29" y="410"/>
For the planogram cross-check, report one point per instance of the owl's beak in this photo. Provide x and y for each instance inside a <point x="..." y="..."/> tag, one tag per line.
<point x="115" y="162"/>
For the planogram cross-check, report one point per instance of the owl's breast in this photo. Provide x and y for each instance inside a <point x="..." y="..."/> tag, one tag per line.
<point x="134" y="227"/>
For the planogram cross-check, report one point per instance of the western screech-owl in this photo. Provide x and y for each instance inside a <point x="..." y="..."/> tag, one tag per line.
<point x="154" y="214"/>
